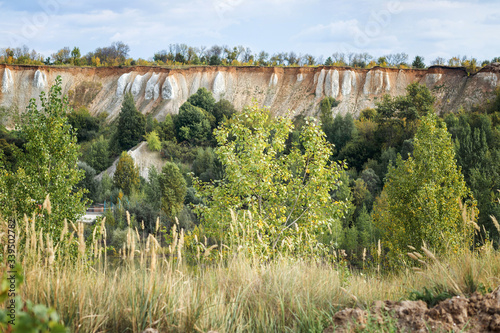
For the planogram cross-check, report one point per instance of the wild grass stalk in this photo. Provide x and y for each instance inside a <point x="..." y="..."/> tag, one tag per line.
<point x="156" y="287"/>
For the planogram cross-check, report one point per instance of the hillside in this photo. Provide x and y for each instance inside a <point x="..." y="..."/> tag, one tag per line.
<point x="162" y="90"/>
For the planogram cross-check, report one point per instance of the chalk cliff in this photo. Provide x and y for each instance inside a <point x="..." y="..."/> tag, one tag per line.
<point x="161" y="91"/>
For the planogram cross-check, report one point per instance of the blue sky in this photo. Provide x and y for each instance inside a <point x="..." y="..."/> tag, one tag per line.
<point x="429" y="28"/>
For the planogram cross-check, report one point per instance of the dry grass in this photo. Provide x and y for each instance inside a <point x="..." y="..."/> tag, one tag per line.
<point x="147" y="287"/>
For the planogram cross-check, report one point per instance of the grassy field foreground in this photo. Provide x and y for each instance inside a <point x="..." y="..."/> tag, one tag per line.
<point x="150" y="286"/>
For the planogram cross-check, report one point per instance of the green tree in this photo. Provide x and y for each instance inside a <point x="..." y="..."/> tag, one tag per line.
<point x="423" y="195"/>
<point x="222" y="110"/>
<point x="98" y="154"/>
<point x="166" y="130"/>
<point x="84" y="124"/>
<point x="173" y="189"/>
<point x="288" y="195"/>
<point x="203" y="99"/>
<point x="48" y="165"/>
<point x="152" y="189"/>
<point x="131" y="124"/>
<point x="397" y="117"/>
<point x="88" y="182"/>
<point x="418" y="62"/>
<point x="153" y="141"/>
<point x="126" y="176"/>
<point x="192" y="124"/>
<point x="75" y="56"/>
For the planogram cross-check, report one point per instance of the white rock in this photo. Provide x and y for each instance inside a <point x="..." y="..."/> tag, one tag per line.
<point x="205" y="82"/>
<point x="348" y="82"/>
<point x="368" y="82"/>
<point x="7" y="80"/>
<point x="300" y="77"/>
<point x="319" y="85"/>
<point x="152" y="87"/>
<point x="219" y="86"/>
<point x="378" y="82"/>
<point x="490" y="78"/>
<point x="157" y="91"/>
<point x="170" y="88"/>
<point x="137" y="85"/>
<point x="40" y="80"/>
<point x="387" y="82"/>
<point x="122" y="84"/>
<point x="182" y="87"/>
<point x="432" y="79"/>
<point x="273" y="81"/>
<point x="332" y="83"/>
<point x="196" y="84"/>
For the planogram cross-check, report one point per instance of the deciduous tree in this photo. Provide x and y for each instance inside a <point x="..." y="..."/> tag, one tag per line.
<point x="423" y="196"/>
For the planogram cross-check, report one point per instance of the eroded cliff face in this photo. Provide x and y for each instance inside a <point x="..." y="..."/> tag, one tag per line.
<point x="161" y="91"/>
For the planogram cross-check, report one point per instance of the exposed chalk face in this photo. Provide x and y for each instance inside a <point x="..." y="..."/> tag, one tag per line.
<point x="432" y="79"/>
<point x="319" y="84"/>
<point x="273" y="81"/>
<point x="7" y="80"/>
<point x="368" y="83"/>
<point x="219" y="86"/>
<point x="170" y="87"/>
<point x="137" y="85"/>
<point x="40" y="80"/>
<point x="152" y="87"/>
<point x="205" y="82"/>
<point x="195" y="85"/>
<point x="348" y="82"/>
<point x="387" y="82"/>
<point x="490" y="78"/>
<point x="300" y="77"/>
<point x="332" y="83"/>
<point x="122" y="84"/>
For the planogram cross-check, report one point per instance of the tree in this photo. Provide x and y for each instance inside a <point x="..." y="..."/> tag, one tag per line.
<point x="202" y="99"/>
<point x="423" y="196"/>
<point x="98" y="154"/>
<point x="287" y="195"/>
<point x="131" y="124"/>
<point x="126" y="176"/>
<point x="192" y="124"/>
<point x="166" y="130"/>
<point x="222" y="110"/>
<point x="173" y="189"/>
<point x="153" y="141"/>
<point x="88" y="183"/>
<point x="418" y="62"/>
<point x="48" y="165"/>
<point x="75" y="56"/>
<point x="152" y="189"/>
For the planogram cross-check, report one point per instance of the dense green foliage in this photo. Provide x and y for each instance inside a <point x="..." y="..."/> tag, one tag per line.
<point x="131" y="124"/>
<point x="258" y="162"/>
<point x="46" y="166"/>
<point x="172" y="189"/>
<point x="126" y="176"/>
<point x="424" y="195"/>
<point x="286" y="195"/>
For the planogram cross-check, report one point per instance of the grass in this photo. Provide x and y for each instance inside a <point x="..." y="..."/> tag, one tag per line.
<point x="150" y="286"/>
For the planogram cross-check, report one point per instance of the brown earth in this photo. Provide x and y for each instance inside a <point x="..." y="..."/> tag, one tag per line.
<point x="479" y="313"/>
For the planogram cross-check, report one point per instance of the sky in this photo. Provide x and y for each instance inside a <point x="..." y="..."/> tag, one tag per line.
<point x="429" y="28"/>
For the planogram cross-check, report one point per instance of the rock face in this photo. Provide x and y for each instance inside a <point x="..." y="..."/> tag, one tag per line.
<point x="475" y="314"/>
<point x="162" y="91"/>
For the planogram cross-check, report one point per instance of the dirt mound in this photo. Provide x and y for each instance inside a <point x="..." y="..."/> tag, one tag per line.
<point x="479" y="313"/>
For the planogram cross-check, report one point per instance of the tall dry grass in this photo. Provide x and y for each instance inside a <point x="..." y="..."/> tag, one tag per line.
<point x="151" y="286"/>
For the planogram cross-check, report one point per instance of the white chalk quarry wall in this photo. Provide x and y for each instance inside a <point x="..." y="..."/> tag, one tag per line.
<point x="163" y="91"/>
